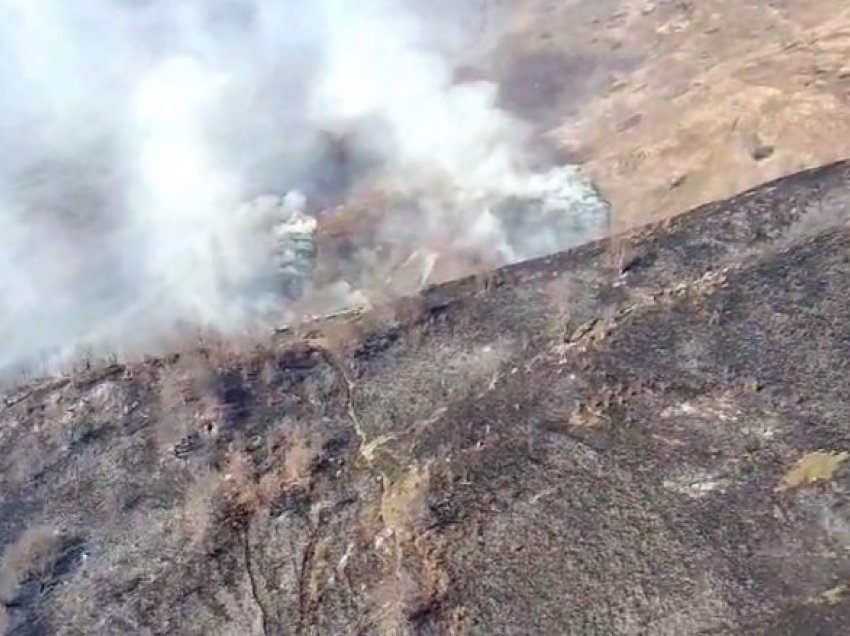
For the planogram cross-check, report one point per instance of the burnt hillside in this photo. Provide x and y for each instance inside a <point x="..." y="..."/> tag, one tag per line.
<point x="637" y="437"/>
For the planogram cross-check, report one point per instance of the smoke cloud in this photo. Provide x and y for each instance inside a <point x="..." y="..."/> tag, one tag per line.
<point x="134" y="132"/>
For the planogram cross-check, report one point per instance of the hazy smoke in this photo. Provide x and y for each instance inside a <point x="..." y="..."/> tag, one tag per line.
<point x="134" y="131"/>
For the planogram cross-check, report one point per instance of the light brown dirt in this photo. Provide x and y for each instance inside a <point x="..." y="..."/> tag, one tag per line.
<point x="670" y="104"/>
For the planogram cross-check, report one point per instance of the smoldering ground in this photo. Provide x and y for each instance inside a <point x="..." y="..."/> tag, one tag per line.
<point x="132" y="133"/>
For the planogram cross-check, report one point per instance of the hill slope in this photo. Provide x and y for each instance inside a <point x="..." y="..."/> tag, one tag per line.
<point x="668" y="104"/>
<point x="603" y="441"/>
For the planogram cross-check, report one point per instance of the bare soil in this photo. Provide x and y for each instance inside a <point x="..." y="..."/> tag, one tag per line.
<point x="673" y="103"/>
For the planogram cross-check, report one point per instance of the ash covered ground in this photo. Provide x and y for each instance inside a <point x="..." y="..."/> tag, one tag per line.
<point x="655" y="446"/>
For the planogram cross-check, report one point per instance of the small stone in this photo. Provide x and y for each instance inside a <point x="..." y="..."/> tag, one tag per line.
<point x="762" y="152"/>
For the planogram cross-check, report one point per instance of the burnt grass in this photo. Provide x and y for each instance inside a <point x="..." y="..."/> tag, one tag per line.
<point x="588" y="443"/>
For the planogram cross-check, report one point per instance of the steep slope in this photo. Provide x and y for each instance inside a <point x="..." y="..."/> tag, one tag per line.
<point x="603" y="441"/>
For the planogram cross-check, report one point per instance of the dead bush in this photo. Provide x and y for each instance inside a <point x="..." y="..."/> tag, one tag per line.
<point x="240" y="480"/>
<point x="560" y="295"/>
<point x="298" y="456"/>
<point x="28" y="556"/>
<point x="403" y="504"/>
<point x="239" y="485"/>
<point x="198" y="504"/>
<point x="338" y="337"/>
<point x="189" y="403"/>
<point x="393" y="602"/>
<point x="301" y="454"/>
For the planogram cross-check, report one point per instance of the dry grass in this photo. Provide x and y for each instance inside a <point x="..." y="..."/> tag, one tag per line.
<point x="219" y="350"/>
<point x="415" y="579"/>
<point x="403" y="502"/>
<point x="189" y="398"/>
<point x="199" y="499"/>
<point x="210" y="493"/>
<point x="342" y="335"/>
<point x="338" y="337"/>
<point x="834" y="595"/>
<point x="242" y="485"/>
<point x="293" y="466"/>
<point x="240" y="481"/>
<point x="560" y="295"/>
<point x="393" y="601"/>
<point x="300" y="457"/>
<point x="812" y="468"/>
<point x="29" y="555"/>
<point x="726" y="94"/>
<point x="186" y="400"/>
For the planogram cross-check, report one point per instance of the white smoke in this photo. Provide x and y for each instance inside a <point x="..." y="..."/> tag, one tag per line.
<point x="133" y="131"/>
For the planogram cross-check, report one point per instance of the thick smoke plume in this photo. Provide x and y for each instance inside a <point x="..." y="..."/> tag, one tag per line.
<point x="134" y="132"/>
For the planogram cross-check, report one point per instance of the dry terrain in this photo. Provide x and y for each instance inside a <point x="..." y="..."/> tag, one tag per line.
<point x="655" y="444"/>
<point x="666" y="104"/>
<point x="640" y="436"/>
<point x="674" y="103"/>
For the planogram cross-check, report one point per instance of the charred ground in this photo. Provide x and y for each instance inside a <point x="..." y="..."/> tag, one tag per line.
<point x="593" y="442"/>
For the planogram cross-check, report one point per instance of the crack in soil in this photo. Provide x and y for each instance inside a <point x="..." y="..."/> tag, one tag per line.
<point x="252" y="577"/>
